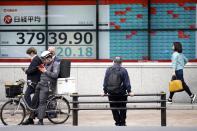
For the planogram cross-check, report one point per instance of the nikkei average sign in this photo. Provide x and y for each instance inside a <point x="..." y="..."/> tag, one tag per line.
<point x="64" y="25"/>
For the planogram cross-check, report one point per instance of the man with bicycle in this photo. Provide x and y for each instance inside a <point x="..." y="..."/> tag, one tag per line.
<point x="33" y="76"/>
<point x="48" y="80"/>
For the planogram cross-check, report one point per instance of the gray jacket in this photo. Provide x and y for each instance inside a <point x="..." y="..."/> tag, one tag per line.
<point x="51" y="74"/>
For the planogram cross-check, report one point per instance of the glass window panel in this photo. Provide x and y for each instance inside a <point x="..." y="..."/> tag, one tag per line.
<point x="123" y="28"/>
<point x="173" y="15"/>
<point x="72" y="14"/>
<point x="123" y="16"/>
<point x="75" y="44"/>
<point x="72" y="28"/>
<point x="22" y="26"/>
<point x="128" y="16"/>
<point x="162" y="41"/>
<point x="131" y="45"/>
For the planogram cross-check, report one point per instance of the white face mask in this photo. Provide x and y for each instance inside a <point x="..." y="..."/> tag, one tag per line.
<point x="48" y="60"/>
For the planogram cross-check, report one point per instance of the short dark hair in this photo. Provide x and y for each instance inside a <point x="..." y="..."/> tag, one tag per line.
<point x="31" y="50"/>
<point x="178" y="47"/>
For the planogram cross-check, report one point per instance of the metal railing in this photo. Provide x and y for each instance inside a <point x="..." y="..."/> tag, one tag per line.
<point x="75" y="105"/>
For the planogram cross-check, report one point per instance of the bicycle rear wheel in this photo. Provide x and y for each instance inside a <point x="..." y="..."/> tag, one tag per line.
<point x="12" y="113"/>
<point x="58" y="110"/>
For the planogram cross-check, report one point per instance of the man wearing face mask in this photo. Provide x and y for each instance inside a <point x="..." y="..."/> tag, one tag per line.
<point x="48" y="80"/>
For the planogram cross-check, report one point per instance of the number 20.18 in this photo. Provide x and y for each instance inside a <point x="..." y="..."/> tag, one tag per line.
<point x="81" y="52"/>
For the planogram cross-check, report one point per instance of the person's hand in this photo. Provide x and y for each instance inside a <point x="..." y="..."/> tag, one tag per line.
<point x="103" y="94"/>
<point x="173" y="72"/>
<point x="131" y="94"/>
<point x="42" y="69"/>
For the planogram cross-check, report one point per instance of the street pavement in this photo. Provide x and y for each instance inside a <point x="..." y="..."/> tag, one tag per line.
<point x="96" y="128"/>
<point x="178" y="115"/>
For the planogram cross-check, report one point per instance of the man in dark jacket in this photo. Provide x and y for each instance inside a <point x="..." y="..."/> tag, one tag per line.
<point x="33" y="76"/>
<point x="119" y="94"/>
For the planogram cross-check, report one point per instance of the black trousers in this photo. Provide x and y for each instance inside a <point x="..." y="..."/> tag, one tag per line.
<point x="118" y="115"/>
<point x="30" y="90"/>
<point x="179" y="76"/>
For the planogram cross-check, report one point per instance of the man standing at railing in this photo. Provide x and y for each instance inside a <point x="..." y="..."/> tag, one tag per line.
<point x="117" y="85"/>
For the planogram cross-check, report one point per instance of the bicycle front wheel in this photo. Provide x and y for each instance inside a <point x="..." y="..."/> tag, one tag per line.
<point x="58" y="110"/>
<point x="12" y="113"/>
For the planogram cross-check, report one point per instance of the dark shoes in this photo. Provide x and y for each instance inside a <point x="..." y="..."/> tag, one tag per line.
<point x="28" y="122"/>
<point x="31" y="122"/>
<point x="120" y="124"/>
<point x="123" y="124"/>
<point x="117" y="124"/>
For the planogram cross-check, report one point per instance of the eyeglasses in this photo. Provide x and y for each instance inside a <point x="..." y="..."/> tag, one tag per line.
<point x="48" y="59"/>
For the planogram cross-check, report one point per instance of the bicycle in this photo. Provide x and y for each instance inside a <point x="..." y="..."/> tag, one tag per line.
<point x="13" y="111"/>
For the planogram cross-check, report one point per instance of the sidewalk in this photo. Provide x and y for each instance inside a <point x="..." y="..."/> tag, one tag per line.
<point x="94" y="128"/>
<point x="184" y="118"/>
<point x="181" y="106"/>
<point x="178" y="115"/>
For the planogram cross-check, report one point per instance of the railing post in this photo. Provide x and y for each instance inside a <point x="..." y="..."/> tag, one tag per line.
<point x="163" y="109"/>
<point x="75" y="111"/>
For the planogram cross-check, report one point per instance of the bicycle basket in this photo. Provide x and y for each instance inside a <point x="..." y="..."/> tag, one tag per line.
<point x="12" y="90"/>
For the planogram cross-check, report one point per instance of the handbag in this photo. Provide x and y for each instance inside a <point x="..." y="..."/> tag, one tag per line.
<point x="175" y="85"/>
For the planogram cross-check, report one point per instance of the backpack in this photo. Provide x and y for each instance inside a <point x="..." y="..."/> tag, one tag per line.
<point x="114" y="81"/>
<point x="64" y="69"/>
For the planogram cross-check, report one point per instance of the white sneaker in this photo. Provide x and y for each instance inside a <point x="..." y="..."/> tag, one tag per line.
<point x="193" y="98"/>
<point x="169" y="101"/>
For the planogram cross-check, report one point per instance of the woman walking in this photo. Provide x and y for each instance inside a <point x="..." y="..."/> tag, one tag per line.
<point x="178" y="63"/>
